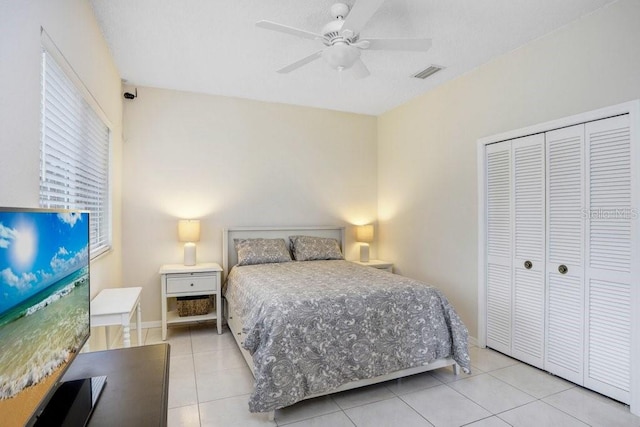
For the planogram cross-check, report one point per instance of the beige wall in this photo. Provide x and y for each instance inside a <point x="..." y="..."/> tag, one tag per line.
<point x="427" y="203"/>
<point x="235" y="162"/>
<point x="73" y="28"/>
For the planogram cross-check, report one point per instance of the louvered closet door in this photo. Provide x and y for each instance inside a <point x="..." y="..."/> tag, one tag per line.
<point x="565" y="248"/>
<point x="529" y="249"/>
<point x="499" y="255"/>
<point x="609" y="244"/>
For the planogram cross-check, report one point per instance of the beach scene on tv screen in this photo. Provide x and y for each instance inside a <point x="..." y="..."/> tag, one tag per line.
<point x="44" y="301"/>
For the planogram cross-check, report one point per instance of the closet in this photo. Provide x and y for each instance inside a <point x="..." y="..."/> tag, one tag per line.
<point x="559" y="287"/>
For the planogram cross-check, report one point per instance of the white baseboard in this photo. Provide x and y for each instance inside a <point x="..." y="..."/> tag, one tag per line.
<point x="133" y="327"/>
<point x="116" y="331"/>
<point x="151" y="324"/>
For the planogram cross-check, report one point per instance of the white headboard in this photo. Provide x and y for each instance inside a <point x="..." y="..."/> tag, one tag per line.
<point x="230" y="256"/>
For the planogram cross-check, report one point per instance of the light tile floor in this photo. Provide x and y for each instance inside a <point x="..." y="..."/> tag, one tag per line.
<point x="210" y="383"/>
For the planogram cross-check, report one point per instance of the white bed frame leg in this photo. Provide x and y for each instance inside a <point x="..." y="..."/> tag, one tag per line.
<point x="456" y="369"/>
<point x="271" y="415"/>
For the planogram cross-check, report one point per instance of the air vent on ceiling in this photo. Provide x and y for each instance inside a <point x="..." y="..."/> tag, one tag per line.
<point x="429" y="71"/>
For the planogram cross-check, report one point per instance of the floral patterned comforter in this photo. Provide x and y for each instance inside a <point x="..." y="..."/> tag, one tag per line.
<point x="313" y="326"/>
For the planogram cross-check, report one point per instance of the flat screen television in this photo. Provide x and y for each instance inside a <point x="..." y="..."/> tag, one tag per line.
<point x="44" y="305"/>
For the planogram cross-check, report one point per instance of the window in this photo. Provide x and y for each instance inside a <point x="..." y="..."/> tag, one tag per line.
<point x="74" y="152"/>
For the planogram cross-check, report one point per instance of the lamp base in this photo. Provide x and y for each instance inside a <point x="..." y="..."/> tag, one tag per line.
<point x="189" y="253"/>
<point x="364" y="252"/>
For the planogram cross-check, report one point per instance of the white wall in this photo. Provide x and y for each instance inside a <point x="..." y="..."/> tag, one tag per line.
<point x="427" y="181"/>
<point x="235" y="162"/>
<point x="73" y="28"/>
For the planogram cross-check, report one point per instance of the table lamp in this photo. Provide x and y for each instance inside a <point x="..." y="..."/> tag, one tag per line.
<point x="364" y="235"/>
<point x="189" y="232"/>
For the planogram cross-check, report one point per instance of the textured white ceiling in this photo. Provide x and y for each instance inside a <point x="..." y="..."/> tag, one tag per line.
<point x="214" y="47"/>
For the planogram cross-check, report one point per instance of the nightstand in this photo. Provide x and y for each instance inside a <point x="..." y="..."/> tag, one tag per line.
<point x="179" y="280"/>
<point x="379" y="264"/>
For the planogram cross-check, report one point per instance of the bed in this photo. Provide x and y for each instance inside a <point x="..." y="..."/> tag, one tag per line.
<point x="320" y="326"/>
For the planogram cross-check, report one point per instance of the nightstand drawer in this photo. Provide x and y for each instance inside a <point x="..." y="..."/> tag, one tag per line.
<point x="191" y="282"/>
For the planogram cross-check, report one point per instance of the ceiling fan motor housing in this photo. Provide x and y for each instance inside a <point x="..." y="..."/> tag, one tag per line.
<point x="333" y="30"/>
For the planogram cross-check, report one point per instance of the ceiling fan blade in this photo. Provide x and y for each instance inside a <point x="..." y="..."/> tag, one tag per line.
<point x="419" y="45"/>
<point x="360" y="14"/>
<point x="361" y="44"/>
<point x="288" y="30"/>
<point x="359" y="70"/>
<point x="300" y="63"/>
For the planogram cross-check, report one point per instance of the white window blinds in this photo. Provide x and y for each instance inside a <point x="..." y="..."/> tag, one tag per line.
<point x="74" y="157"/>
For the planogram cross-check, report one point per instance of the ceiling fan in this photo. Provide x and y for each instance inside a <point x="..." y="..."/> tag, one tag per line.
<point x="342" y="41"/>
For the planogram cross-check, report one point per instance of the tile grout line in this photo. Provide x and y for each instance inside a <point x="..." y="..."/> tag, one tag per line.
<point x="486" y="418"/>
<point x="561" y="410"/>
<point x="409" y="405"/>
<point x="195" y="378"/>
<point x="350" y="419"/>
<point x="538" y="399"/>
<point x="487" y="409"/>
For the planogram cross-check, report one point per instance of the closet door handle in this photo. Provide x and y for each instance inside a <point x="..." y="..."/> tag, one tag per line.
<point x="528" y="265"/>
<point x="563" y="269"/>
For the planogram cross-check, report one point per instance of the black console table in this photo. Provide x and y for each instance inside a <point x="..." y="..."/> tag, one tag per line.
<point x="137" y="388"/>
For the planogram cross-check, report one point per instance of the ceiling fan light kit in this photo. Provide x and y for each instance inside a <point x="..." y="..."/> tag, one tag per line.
<point x="341" y="38"/>
<point x="340" y="56"/>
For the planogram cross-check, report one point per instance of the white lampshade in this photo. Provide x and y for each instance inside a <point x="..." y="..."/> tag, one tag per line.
<point x="189" y="232"/>
<point x="364" y="233"/>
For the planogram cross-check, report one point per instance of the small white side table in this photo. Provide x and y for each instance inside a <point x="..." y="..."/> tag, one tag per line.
<point x="115" y="306"/>
<point x="377" y="263"/>
<point x="179" y="280"/>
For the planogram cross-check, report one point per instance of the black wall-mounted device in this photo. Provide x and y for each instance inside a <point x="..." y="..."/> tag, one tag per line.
<point x="129" y="95"/>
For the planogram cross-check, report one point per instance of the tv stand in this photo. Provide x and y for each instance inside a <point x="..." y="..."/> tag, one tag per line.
<point x="137" y="389"/>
